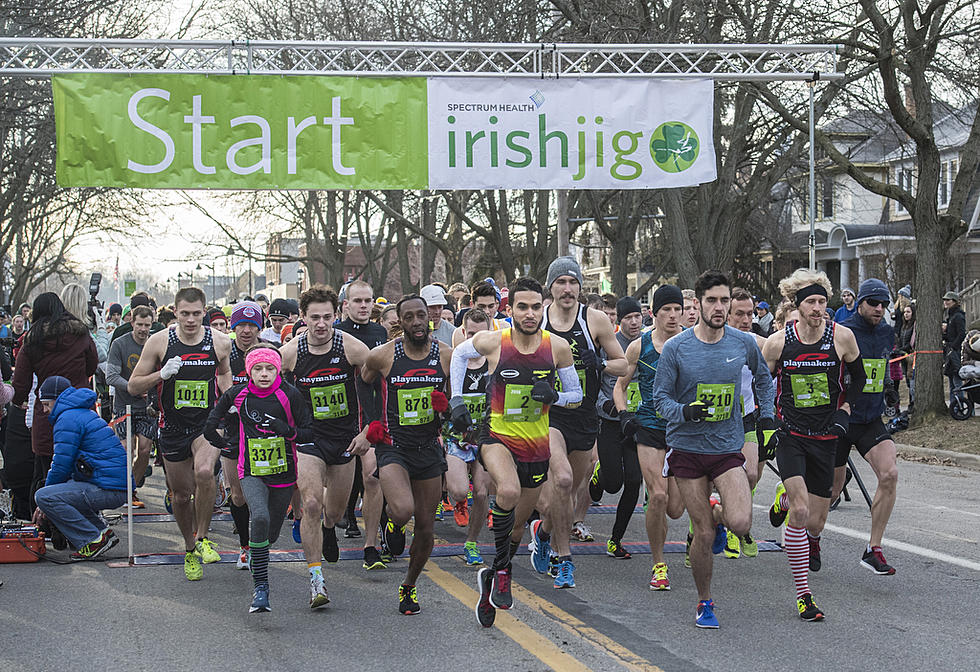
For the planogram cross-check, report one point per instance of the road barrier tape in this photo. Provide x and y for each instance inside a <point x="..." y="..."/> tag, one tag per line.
<point x="115" y="421"/>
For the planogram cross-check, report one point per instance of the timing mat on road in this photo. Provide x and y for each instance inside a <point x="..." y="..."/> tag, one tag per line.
<point x="438" y="551"/>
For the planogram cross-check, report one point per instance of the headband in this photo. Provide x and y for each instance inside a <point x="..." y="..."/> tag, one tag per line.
<point x="810" y="290"/>
<point x="263" y="355"/>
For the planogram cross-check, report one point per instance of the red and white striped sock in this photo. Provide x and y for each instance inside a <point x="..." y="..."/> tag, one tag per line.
<point x="798" y="552"/>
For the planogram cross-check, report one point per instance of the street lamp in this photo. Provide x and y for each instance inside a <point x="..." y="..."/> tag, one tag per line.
<point x="300" y="276"/>
<point x="210" y="267"/>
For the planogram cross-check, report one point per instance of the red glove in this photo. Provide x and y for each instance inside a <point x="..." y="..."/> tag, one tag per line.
<point x="376" y="433"/>
<point x="439" y="402"/>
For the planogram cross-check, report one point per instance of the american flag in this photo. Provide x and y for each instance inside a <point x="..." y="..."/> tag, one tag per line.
<point x="115" y="274"/>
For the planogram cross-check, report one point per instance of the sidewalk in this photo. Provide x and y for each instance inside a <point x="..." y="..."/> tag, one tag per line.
<point x="948" y="458"/>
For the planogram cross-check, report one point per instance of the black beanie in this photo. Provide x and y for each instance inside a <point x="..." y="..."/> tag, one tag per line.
<point x="627" y="306"/>
<point x="667" y="294"/>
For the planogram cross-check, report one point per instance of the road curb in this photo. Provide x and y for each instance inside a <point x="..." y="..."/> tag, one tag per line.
<point x="962" y="460"/>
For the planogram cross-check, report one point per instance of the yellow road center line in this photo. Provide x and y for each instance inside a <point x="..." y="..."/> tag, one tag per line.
<point x="575" y="626"/>
<point x="540" y="647"/>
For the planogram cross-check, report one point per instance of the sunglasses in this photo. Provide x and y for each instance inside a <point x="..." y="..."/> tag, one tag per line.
<point x="874" y="303"/>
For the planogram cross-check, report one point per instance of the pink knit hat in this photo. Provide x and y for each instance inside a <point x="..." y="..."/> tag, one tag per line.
<point x="6" y="394"/>
<point x="260" y="355"/>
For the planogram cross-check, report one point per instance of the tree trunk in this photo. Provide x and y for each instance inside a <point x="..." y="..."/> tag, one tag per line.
<point x="687" y="266"/>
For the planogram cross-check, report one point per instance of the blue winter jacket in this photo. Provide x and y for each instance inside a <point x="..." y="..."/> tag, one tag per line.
<point x="80" y="435"/>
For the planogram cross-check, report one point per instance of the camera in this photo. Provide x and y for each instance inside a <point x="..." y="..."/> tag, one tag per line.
<point x="94" y="283"/>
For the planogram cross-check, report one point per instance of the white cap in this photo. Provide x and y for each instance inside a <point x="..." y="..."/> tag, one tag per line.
<point x="433" y="295"/>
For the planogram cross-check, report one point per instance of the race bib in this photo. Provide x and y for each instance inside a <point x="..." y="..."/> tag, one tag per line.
<point x="518" y="404"/>
<point x="476" y="404"/>
<point x="810" y="389"/>
<point x="633" y="396"/>
<point x="267" y="456"/>
<point x="415" y="406"/>
<point x="190" y="394"/>
<point x="719" y="398"/>
<point x="329" y="401"/>
<point x="874" y="369"/>
<point x="581" y="381"/>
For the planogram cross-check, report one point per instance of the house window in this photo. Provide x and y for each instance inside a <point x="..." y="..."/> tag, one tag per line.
<point x="904" y="180"/>
<point x="827" y="197"/>
<point x="947" y="175"/>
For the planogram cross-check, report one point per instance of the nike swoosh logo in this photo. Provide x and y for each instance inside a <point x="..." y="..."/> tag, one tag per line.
<point x="731" y="360"/>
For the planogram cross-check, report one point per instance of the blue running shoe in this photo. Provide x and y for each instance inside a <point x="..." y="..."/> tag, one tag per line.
<point x="297" y="537"/>
<point x="472" y="553"/>
<point x="705" y="615"/>
<point x="566" y="575"/>
<point x="721" y="538"/>
<point x="260" y="599"/>
<point x="540" y="550"/>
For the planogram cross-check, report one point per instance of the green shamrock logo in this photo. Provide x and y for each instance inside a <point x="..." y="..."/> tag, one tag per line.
<point x="674" y="146"/>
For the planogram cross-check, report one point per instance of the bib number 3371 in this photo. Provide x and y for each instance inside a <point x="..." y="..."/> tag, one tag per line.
<point x="267" y="456"/>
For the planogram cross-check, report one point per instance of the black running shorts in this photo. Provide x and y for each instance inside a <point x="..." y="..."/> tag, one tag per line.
<point x="421" y="462"/>
<point x="813" y="459"/>
<point x="331" y="451"/>
<point x="863" y="436"/>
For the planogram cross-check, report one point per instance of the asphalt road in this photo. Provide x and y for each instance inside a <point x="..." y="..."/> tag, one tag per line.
<point x="99" y="616"/>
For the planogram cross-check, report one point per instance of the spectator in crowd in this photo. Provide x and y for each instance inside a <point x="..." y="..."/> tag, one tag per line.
<point x="166" y="317"/>
<point x="76" y="298"/>
<point x="906" y="346"/>
<point x="457" y="291"/>
<point x="278" y="316"/>
<point x="138" y="299"/>
<point x="25" y="312"/>
<point x="954" y="331"/>
<point x="115" y="314"/>
<point x="647" y="315"/>
<point x="389" y="318"/>
<point x="57" y="344"/>
<point x="762" y="324"/>
<point x="88" y="470"/>
<point x="435" y="299"/>
<point x="18" y="461"/>
<point x="217" y="320"/>
<point x="849" y="307"/>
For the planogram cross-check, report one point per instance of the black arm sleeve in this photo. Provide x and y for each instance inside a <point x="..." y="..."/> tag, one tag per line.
<point x="217" y="414"/>
<point x="369" y="399"/>
<point x="302" y="416"/>
<point x="858" y="378"/>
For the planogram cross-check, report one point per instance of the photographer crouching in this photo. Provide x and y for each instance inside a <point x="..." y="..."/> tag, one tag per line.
<point x="88" y="470"/>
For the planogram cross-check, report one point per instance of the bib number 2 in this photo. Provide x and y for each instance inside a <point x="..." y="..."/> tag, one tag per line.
<point x="519" y="406"/>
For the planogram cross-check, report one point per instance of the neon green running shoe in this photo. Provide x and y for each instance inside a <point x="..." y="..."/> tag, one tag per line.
<point x="732" y="548"/>
<point x="204" y="549"/>
<point x="472" y="553"/>
<point x="192" y="566"/>
<point x="777" y="515"/>
<point x="750" y="548"/>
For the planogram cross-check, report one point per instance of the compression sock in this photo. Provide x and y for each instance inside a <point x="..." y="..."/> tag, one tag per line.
<point x="514" y="547"/>
<point x="239" y="514"/>
<point x="798" y="552"/>
<point x="503" y="526"/>
<point x="260" y="562"/>
<point x="315" y="568"/>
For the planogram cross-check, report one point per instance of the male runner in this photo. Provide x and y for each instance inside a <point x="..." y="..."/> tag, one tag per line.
<point x="809" y="357"/>
<point x="866" y="432"/>
<point x="358" y="304"/>
<point x="573" y="432"/>
<point x="649" y="428"/>
<point x="246" y="322"/>
<point x="411" y="460"/>
<point x="619" y="466"/>
<point x="124" y="353"/>
<point x="698" y="377"/>
<point x="523" y="362"/>
<point x="691" y="313"/>
<point x="278" y="316"/>
<point x="187" y="363"/>
<point x="484" y="298"/>
<point x="322" y="362"/>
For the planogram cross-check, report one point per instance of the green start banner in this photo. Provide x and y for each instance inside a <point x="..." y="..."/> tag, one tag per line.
<point x="271" y="132"/>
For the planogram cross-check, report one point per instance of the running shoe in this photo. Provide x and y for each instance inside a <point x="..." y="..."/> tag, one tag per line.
<point x="352" y="531"/>
<point x="486" y="614"/>
<point x="137" y="503"/>
<point x="469" y="496"/>
<point x="500" y="596"/>
<point x="94" y="549"/>
<point x="393" y="538"/>
<point x="490" y="521"/>
<point x="372" y="559"/>
<point x="297" y="535"/>
<point x="460" y="514"/>
<point x="705" y="615"/>
<point x="204" y="548"/>
<point x="243" y="559"/>
<point x="658" y="577"/>
<point x="566" y="575"/>
<point x="687" y="550"/>
<point x="260" y="599"/>
<point x="814" y="553"/>
<point x="733" y="548"/>
<point x="595" y="485"/>
<point x="750" y="548"/>
<point x="386" y="557"/>
<point x="168" y="501"/>
<point x="408" y="600"/>
<point x="875" y="561"/>
<point x="552" y="564"/>
<point x="331" y="551"/>
<point x="192" y="566"/>
<point x="581" y="532"/>
<point x="439" y="511"/>
<point x="615" y="549"/>
<point x="721" y="536"/>
<point x="472" y="553"/>
<point x="540" y="549"/>
<point x="808" y="610"/>
<point x="318" y="593"/>
<point x="777" y="515"/>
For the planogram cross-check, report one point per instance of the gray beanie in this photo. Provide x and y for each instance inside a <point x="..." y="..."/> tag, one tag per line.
<point x="563" y="266"/>
<point x="873" y="288"/>
<point x="906" y="291"/>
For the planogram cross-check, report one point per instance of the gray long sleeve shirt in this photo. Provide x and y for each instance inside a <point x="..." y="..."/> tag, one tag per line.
<point x="690" y="369"/>
<point x="124" y="353"/>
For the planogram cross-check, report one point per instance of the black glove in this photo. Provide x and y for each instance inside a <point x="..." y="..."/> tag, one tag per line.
<point x="891" y="396"/>
<point x="609" y="408"/>
<point x="543" y="392"/>
<point x="628" y="424"/>
<point x="279" y="427"/>
<point x="768" y="438"/>
<point x="840" y="423"/>
<point x="589" y="360"/>
<point x="695" y="411"/>
<point x="459" y="415"/>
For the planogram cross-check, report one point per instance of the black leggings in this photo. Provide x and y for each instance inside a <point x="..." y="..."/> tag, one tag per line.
<point x="620" y="468"/>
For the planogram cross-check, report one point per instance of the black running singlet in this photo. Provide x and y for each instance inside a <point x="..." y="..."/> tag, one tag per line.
<point x="237" y="361"/>
<point x="580" y="340"/>
<point x="188" y="397"/>
<point x="808" y="387"/>
<point x="406" y="393"/>
<point x="327" y="384"/>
